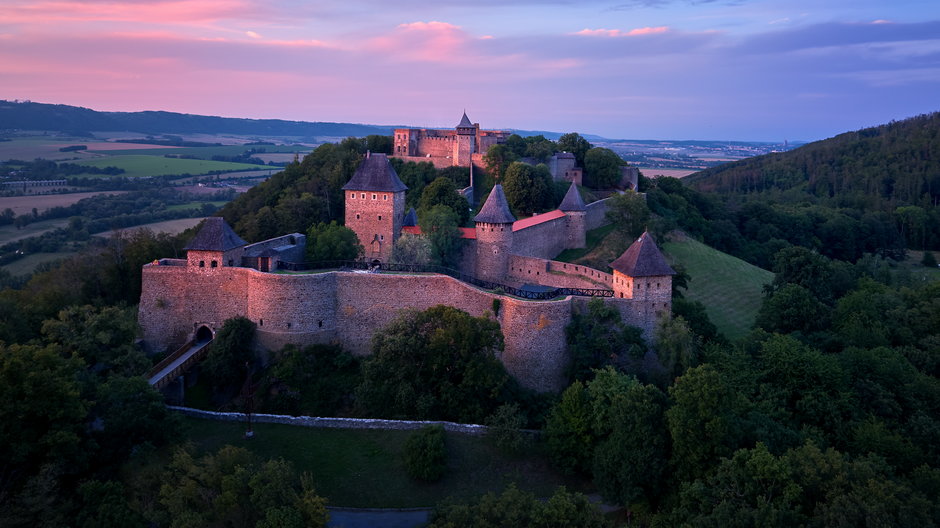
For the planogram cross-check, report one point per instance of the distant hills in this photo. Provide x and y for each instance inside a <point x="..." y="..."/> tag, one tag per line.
<point x="880" y="168"/>
<point x="74" y="119"/>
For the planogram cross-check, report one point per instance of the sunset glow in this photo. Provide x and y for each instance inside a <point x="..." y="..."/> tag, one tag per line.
<point x="751" y="70"/>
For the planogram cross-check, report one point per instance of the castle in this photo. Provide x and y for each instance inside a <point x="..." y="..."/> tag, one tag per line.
<point x="463" y="146"/>
<point x="223" y="277"/>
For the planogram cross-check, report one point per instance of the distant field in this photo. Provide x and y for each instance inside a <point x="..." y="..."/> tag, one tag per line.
<point x="730" y="288"/>
<point x="9" y="233"/>
<point x="193" y="205"/>
<point x="43" y="202"/>
<point x="27" y="264"/>
<point x="167" y="226"/>
<point x="30" y="148"/>
<point x="672" y="173"/>
<point x="139" y="166"/>
<point x="364" y="468"/>
<point x="203" y="152"/>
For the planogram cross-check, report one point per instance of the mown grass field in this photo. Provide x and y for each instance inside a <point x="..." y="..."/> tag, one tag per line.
<point x="364" y="468"/>
<point x="140" y="166"/>
<point x="730" y="289"/>
<point x="44" y="202"/>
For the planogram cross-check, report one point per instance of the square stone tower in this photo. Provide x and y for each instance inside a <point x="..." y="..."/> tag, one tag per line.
<point x="465" y="142"/>
<point x="375" y="206"/>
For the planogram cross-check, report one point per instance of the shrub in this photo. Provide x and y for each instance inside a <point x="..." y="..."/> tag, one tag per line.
<point x="506" y="428"/>
<point x="426" y="454"/>
<point x="929" y="260"/>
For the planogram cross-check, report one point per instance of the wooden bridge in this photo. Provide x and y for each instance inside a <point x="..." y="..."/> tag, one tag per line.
<point x="174" y="365"/>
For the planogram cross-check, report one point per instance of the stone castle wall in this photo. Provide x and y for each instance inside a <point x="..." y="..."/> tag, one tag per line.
<point x="596" y="215"/>
<point x="544" y="240"/>
<point x="344" y="307"/>
<point x="557" y="274"/>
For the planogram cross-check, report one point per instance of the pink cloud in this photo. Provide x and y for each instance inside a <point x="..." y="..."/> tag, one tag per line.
<point x="157" y="11"/>
<point x="425" y="41"/>
<point x="619" y="33"/>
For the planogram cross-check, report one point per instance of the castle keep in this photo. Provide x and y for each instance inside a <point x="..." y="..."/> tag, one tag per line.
<point x="223" y="277"/>
<point x="464" y="145"/>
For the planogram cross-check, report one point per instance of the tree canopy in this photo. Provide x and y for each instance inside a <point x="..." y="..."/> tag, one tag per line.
<point x="439" y="364"/>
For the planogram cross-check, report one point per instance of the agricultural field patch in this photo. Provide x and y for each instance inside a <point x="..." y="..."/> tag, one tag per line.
<point x="10" y="233"/>
<point x="43" y="202"/>
<point x="27" y="264"/>
<point x="139" y="166"/>
<point x="193" y="205"/>
<point x="167" y="226"/>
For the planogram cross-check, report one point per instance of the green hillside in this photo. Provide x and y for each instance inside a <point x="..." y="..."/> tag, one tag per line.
<point x="880" y="167"/>
<point x="730" y="288"/>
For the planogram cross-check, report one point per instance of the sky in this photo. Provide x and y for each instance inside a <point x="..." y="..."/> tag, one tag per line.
<point x="751" y="70"/>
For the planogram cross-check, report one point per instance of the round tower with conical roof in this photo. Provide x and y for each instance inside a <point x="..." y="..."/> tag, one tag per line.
<point x="494" y="237"/>
<point x="575" y="217"/>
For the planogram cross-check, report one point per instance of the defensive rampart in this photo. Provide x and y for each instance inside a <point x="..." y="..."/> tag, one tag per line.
<point x="543" y="240"/>
<point x="345" y="307"/>
<point x="557" y="274"/>
<point x="596" y="215"/>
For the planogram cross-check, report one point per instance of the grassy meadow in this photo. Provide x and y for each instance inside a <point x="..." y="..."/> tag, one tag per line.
<point x="28" y="264"/>
<point x="730" y="289"/>
<point x="167" y="226"/>
<point x="141" y="166"/>
<point x="364" y="468"/>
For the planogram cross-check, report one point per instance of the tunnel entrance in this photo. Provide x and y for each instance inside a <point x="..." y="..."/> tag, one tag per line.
<point x="204" y="334"/>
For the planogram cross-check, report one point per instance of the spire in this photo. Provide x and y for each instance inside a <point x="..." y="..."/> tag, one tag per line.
<point x="411" y="218"/>
<point x="464" y="121"/>
<point x="496" y="209"/>
<point x="572" y="200"/>
<point x="642" y="259"/>
<point x="215" y="235"/>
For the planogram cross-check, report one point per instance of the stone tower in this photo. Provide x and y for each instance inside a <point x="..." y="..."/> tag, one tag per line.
<point x="642" y="274"/>
<point x="214" y="246"/>
<point x="465" y="141"/>
<point x="375" y="206"/>
<point x="575" y="212"/>
<point x="494" y="237"/>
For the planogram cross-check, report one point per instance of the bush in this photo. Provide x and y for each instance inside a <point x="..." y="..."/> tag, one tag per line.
<point x="426" y="454"/>
<point x="929" y="260"/>
<point x="506" y="428"/>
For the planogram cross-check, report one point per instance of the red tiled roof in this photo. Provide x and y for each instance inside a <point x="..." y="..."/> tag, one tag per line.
<point x="519" y="225"/>
<point x="465" y="232"/>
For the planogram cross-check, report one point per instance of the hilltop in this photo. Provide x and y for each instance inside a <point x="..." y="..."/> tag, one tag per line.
<point x="41" y="116"/>
<point x="878" y="168"/>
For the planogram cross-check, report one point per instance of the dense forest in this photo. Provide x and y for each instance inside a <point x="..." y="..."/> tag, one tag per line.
<point x="826" y="414"/>
<point x="891" y="170"/>
<point x="40" y="116"/>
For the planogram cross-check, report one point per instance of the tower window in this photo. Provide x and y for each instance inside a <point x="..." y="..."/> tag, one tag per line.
<point x="373" y="197"/>
<point x="215" y="264"/>
<point x="352" y="195"/>
<point x="357" y="216"/>
<point x="385" y="197"/>
<point x="363" y="196"/>
<point x="380" y="217"/>
<point x="202" y="263"/>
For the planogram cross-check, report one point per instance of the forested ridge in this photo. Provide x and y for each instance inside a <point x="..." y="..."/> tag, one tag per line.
<point x="892" y="168"/>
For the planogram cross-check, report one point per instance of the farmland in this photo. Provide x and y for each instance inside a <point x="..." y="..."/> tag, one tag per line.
<point x="43" y="202"/>
<point x="141" y="166"/>
<point x="167" y="226"/>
